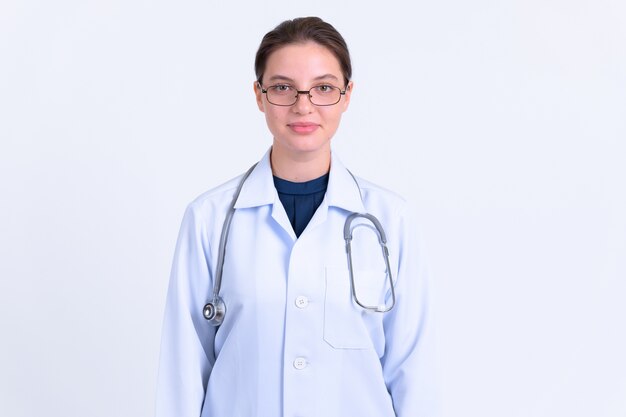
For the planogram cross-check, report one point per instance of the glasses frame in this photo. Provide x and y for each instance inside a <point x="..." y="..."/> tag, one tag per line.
<point x="299" y="92"/>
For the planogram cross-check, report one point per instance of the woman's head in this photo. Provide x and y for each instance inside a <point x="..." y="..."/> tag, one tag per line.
<point x="299" y="31"/>
<point x="303" y="87"/>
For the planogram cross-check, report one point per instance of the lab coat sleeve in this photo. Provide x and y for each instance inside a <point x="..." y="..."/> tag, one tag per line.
<point x="410" y="360"/>
<point x="187" y="354"/>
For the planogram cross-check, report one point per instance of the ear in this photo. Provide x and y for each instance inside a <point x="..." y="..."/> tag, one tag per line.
<point x="348" y="95"/>
<point x="259" y="96"/>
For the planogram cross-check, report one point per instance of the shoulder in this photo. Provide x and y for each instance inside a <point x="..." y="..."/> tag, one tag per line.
<point x="373" y="196"/>
<point x="378" y="196"/>
<point x="397" y="214"/>
<point x="213" y="201"/>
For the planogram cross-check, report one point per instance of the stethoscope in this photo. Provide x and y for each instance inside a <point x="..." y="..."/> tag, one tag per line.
<point x="215" y="310"/>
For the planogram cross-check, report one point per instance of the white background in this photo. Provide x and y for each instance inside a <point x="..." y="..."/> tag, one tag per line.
<point x="502" y="122"/>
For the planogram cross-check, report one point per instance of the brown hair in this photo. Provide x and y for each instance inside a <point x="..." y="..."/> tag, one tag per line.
<point x="301" y="30"/>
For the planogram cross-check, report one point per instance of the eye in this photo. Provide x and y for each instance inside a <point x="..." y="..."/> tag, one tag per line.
<point x="282" y="88"/>
<point x="324" y="89"/>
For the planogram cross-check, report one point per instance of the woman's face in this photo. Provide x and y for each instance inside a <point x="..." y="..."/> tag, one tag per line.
<point x="303" y="129"/>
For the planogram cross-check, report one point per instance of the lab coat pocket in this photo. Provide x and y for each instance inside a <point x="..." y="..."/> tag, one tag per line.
<point x="345" y="324"/>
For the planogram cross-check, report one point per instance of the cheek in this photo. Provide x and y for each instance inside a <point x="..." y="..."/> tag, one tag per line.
<point x="333" y="118"/>
<point x="272" y="116"/>
<point x="273" y="119"/>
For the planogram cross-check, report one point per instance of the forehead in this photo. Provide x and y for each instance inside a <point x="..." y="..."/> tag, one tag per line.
<point x="302" y="62"/>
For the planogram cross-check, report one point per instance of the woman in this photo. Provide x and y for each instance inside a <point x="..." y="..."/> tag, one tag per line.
<point x="301" y="335"/>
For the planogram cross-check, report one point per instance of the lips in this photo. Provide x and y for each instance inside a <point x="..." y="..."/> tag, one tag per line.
<point x="303" y="127"/>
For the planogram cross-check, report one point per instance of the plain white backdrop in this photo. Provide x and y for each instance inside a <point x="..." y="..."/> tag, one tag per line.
<point x="502" y="122"/>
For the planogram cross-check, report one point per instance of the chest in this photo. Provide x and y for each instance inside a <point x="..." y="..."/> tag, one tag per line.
<point x="264" y="263"/>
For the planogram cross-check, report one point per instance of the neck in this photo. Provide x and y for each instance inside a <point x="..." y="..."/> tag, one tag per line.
<point x="299" y="167"/>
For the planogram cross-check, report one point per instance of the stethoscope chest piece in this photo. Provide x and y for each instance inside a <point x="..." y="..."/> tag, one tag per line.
<point x="214" y="311"/>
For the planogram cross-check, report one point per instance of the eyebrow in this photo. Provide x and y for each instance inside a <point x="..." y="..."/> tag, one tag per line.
<point x="285" y="78"/>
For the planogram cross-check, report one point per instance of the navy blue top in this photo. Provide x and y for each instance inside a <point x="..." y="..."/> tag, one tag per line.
<point x="301" y="199"/>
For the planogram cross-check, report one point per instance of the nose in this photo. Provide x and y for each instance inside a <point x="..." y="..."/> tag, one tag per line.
<point x="303" y="105"/>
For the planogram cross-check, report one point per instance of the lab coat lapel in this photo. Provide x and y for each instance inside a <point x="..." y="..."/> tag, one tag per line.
<point x="259" y="190"/>
<point x="342" y="192"/>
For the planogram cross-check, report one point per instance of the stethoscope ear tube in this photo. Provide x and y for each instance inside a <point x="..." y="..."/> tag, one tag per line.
<point x="347" y="227"/>
<point x="382" y="239"/>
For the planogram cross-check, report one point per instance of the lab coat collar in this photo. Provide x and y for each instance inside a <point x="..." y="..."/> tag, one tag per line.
<point x="342" y="191"/>
<point x="258" y="190"/>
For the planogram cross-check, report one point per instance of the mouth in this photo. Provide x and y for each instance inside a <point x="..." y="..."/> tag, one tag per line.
<point x="303" y="127"/>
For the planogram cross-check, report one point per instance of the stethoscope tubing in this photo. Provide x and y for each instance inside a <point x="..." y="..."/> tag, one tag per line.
<point x="219" y="269"/>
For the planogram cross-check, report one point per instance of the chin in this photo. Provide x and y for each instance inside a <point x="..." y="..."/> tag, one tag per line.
<point x="303" y="143"/>
<point x="310" y="147"/>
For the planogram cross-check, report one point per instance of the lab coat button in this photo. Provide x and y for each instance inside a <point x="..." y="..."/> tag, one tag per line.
<point x="302" y="302"/>
<point x="299" y="363"/>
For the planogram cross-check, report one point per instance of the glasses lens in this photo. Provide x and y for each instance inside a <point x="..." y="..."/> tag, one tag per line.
<point x="282" y="95"/>
<point x="325" y="95"/>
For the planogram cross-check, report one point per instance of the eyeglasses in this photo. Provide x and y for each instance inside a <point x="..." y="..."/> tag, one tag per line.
<point x="287" y="95"/>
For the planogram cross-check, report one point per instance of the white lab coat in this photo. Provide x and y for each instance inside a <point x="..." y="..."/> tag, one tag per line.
<point x="293" y="342"/>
